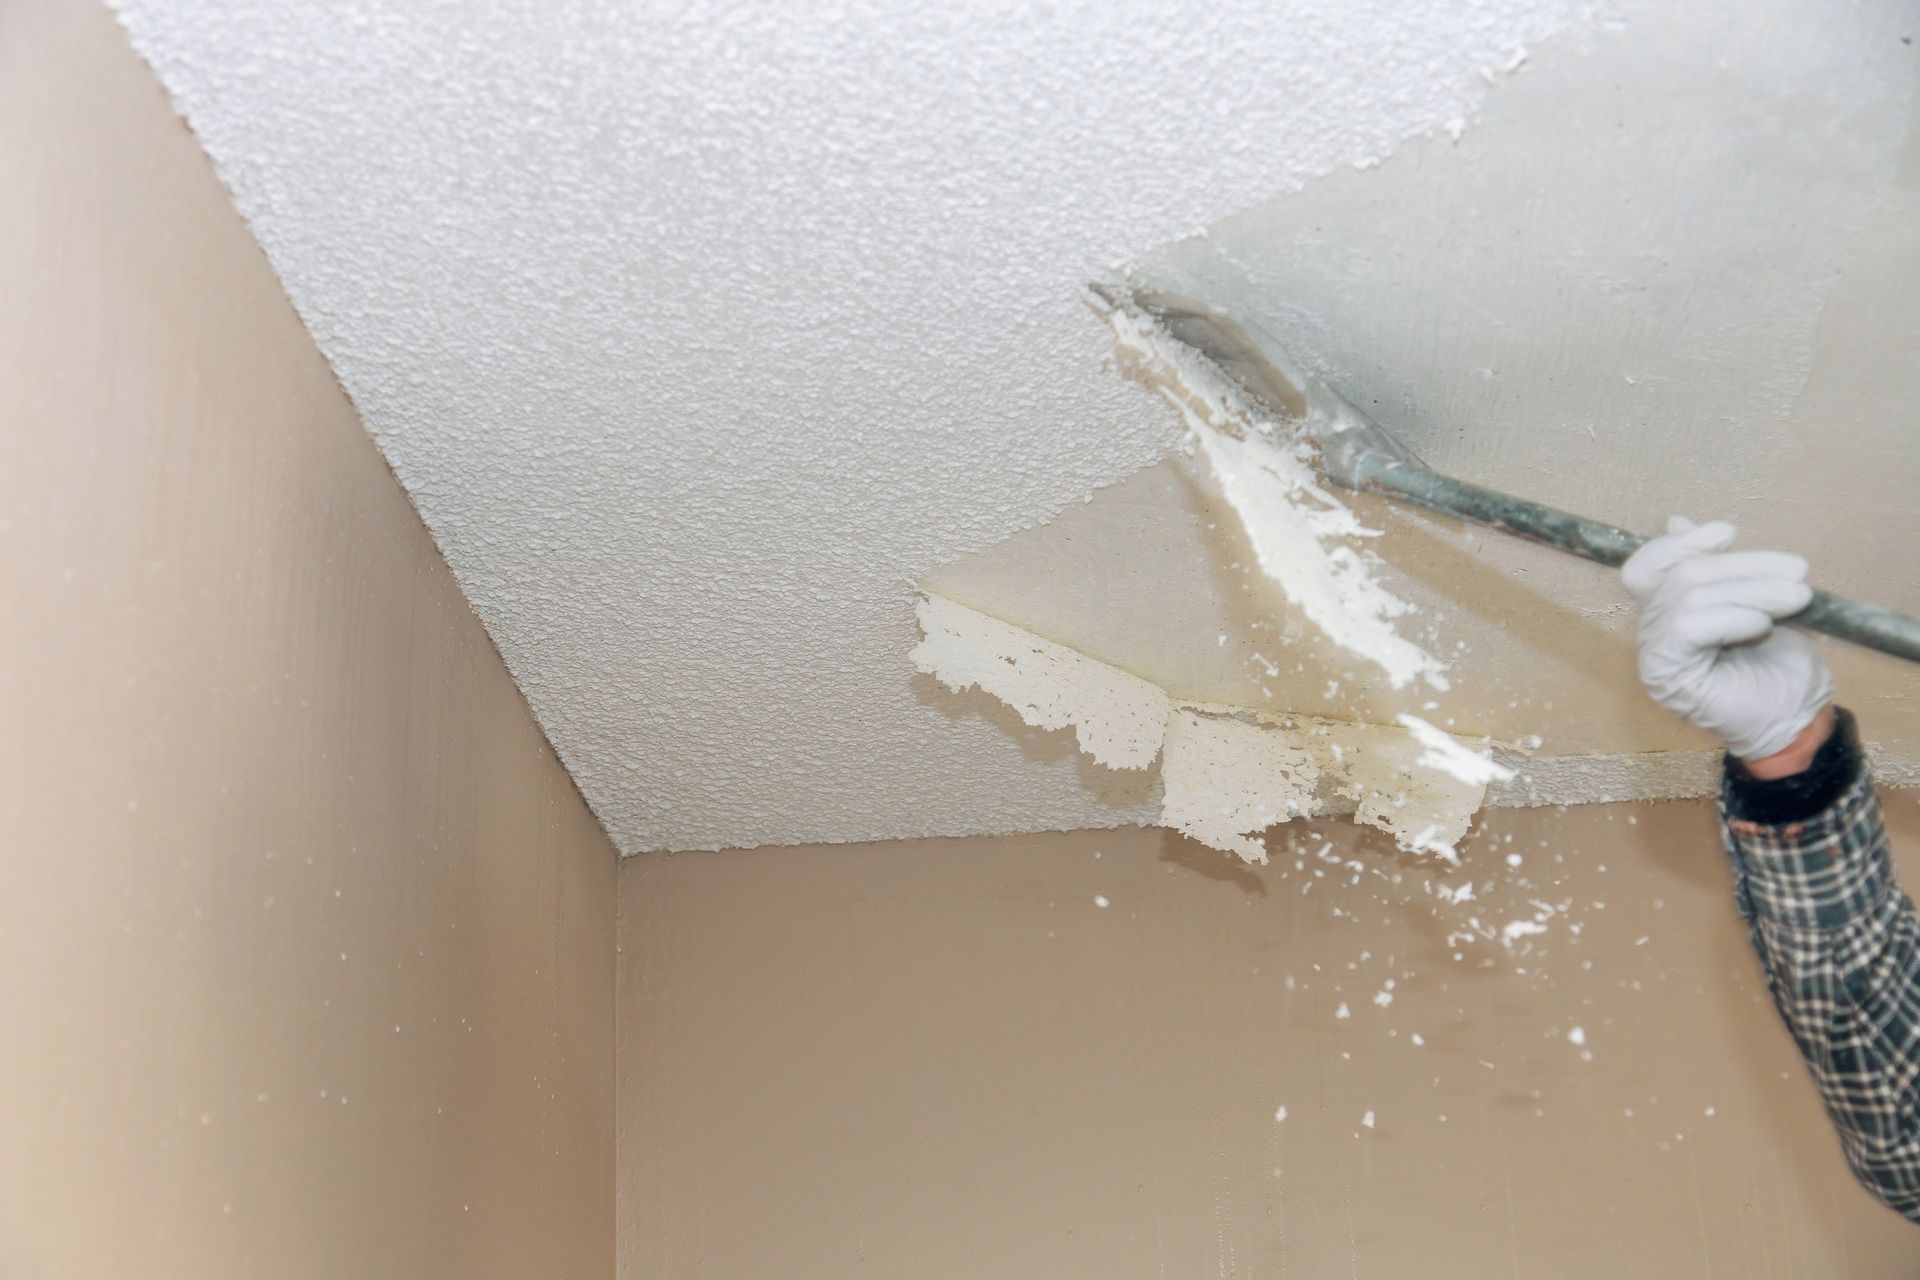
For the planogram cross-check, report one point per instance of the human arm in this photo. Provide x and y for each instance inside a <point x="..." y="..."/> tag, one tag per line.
<point x="1840" y="945"/>
<point x="1839" y="942"/>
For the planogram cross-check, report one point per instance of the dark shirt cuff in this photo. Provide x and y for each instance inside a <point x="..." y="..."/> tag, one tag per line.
<point x="1835" y="767"/>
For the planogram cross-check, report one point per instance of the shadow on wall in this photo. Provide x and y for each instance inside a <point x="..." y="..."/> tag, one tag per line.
<point x="1127" y="791"/>
<point x="1190" y="855"/>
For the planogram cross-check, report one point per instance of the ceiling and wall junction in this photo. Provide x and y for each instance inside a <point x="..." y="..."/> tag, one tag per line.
<point x="702" y="335"/>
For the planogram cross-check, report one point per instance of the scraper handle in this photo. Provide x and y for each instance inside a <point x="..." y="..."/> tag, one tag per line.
<point x="1836" y="616"/>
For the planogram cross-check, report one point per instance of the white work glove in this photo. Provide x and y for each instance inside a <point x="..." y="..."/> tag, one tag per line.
<point x="1708" y="646"/>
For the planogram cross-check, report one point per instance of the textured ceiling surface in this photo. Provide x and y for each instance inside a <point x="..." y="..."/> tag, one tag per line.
<point x="700" y="332"/>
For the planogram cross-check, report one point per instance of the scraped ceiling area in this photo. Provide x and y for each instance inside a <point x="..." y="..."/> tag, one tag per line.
<point x="1656" y="277"/>
<point x="1661" y="276"/>
<point x="704" y="336"/>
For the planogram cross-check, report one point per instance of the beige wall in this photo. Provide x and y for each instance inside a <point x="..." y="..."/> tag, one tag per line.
<point x="305" y="938"/>
<point x="943" y="1059"/>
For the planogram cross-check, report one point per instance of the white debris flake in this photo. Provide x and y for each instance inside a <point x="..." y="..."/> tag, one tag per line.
<point x="1367" y="1119"/>
<point x="1513" y="930"/>
<point x="1343" y="1012"/>
<point x="1102" y="901"/>
<point x="1447" y="753"/>
<point x="1118" y="718"/>
<point x="1577" y="1036"/>
<point x="1291" y="520"/>
<point x="1280" y="1113"/>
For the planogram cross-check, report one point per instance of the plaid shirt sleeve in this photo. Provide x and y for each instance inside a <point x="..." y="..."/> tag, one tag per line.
<point x="1841" y="948"/>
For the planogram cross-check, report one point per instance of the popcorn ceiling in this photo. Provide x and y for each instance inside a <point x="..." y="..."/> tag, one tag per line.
<point x="1649" y="775"/>
<point x="1229" y="773"/>
<point x="695" y="333"/>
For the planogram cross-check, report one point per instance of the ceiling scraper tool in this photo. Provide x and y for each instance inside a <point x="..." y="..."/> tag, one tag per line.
<point x="1359" y="454"/>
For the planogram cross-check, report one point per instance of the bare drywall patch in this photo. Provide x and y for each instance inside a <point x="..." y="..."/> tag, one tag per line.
<point x="1303" y="537"/>
<point x="1663" y="356"/>
<point x="697" y="330"/>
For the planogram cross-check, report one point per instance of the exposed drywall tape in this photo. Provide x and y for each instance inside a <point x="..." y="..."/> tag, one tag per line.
<point x="1225" y="780"/>
<point x="1117" y="718"/>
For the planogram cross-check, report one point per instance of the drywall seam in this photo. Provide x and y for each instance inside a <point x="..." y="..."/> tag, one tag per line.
<point x="1651" y="775"/>
<point x="694" y="331"/>
<point x="1601" y="779"/>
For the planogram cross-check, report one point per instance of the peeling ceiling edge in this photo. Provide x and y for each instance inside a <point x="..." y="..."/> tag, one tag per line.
<point x="1536" y="781"/>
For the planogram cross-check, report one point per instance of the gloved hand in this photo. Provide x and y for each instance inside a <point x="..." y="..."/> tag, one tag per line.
<point x="1708" y="646"/>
